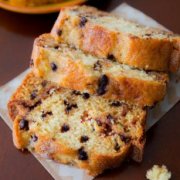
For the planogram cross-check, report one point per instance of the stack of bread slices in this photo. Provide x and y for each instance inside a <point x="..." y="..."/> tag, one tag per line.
<point x="85" y="101"/>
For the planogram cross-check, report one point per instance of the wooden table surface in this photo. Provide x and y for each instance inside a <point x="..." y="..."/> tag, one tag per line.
<point x="17" y="33"/>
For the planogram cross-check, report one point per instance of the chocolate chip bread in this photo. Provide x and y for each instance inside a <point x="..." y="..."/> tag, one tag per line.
<point x="72" y="68"/>
<point x="108" y="36"/>
<point x="74" y="127"/>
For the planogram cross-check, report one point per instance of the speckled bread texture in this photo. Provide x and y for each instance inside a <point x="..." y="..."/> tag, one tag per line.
<point x="75" y="128"/>
<point x="72" y="68"/>
<point x="32" y="2"/>
<point x="105" y="35"/>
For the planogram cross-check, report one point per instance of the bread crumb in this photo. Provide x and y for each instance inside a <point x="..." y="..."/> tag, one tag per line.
<point x="158" y="173"/>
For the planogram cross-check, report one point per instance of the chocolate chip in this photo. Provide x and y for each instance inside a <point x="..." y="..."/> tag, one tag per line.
<point x="59" y="32"/>
<point x="116" y="146"/>
<point x="125" y="138"/>
<point x="44" y="114"/>
<point x="34" y="138"/>
<point x="44" y="83"/>
<point x="64" y="128"/>
<point x="53" y="66"/>
<point x="69" y="106"/>
<point x="103" y="82"/>
<point x="99" y="123"/>
<point x="24" y="125"/>
<point x="65" y="102"/>
<point x="82" y="155"/>
<point x="110" y="119"/>
<point x="97" y="66"/>
<point x="34" y="105"/>
<point x="148" y="34"/>
<point x="56" y="47"/>
<point x="111" y="57"/>
<point x="107" y="129"/>
<point x="109" y="116"/>
<point x="31" y="63"/>
<point x="33" y="95"/>
<point x="83" y="21"/>
<point x="25" y="105"/>
<point x="85" y="95"/>
<point x="134" y="121"/>
<point x="76" y="92"/>
<point x="84" y="139"/>
<point x="124" y="111"/>
<point x="116" y="103"/>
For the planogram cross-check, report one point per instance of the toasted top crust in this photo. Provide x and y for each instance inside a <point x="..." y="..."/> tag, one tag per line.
<point x="104" y="34"/>
<point x="74" y="69"/>
<point x="72" y="127"/>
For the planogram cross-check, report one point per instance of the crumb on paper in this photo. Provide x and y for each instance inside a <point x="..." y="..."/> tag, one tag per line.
<point x="158" y="173"/>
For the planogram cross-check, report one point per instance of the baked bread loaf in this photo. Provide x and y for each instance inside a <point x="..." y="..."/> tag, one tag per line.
<point x="108" y="36"/>
<point x="75" y="128"/>
<point x="32" y="2"/>
<point x="72" y="68"/>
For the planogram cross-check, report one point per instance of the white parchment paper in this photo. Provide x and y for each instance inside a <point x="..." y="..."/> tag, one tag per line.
<point x="64" y="172"/>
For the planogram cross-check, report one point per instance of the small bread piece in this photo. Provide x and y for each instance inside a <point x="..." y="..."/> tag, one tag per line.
<point x="72" y="68"/>
<point x="105" y="35"/>
<point x="75" y="128"/>
<point x="158" y="173"/>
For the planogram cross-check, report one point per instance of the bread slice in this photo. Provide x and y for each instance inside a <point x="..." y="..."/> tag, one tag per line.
<point x="75" y="128"/>
<point x="72" y="68"/>
<point x="105" y="35"/>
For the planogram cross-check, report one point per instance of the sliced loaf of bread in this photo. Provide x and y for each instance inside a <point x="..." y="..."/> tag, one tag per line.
<point x="75" y="128"/>
<point x="108" y="36"/>
<point x="74" y="69"/>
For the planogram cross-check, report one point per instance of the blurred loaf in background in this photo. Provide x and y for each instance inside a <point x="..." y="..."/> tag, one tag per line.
<point x="32" y="2"/>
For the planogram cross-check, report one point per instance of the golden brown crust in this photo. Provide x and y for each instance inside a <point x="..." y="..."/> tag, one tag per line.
<point x="58" y="149"/>
<point x="75" y="73"/>
<point x="145" y="53"/>
<point x="98" y="40"/>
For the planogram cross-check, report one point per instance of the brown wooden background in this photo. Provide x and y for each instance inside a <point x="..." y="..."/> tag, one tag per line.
<point x="17" y="33"/>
